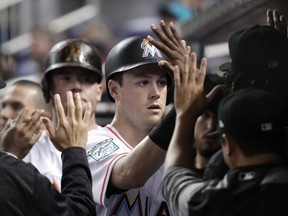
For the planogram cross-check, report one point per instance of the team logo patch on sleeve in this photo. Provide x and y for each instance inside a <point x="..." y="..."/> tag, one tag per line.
<point x="102" y="149"/>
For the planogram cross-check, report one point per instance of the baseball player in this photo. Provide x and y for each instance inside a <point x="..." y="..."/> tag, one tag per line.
<point x="72" y="65"/>
<point x="126" y="164"/>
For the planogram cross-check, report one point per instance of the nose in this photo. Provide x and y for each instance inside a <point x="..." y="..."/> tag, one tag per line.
<point x="211" y="122"/>
<point x="155" y="92"/>
<point x="76" y="85"/>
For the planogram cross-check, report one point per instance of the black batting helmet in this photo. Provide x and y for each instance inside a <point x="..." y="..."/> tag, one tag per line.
<point x="130" y="53"/>
<point x="71" y="53"/>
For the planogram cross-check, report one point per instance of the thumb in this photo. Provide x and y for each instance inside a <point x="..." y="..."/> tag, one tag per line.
<point x="166" y="66"/>
<point x="215" y="92"/>
<point x="49" y="127"/>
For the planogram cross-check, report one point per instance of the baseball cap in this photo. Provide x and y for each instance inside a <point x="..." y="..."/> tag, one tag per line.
<point x="2" y="84"/>
<point x="257" y="49"/>
<point x="250" y="112"/>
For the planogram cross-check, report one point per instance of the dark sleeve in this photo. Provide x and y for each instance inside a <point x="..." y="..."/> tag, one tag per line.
<point x="162" y="133"/>
<point x="76" y="198"/>
<point x="216" y="167"/>
<point x="179" y="185"/>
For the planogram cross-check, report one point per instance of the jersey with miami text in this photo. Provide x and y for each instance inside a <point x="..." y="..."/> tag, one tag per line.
<point x="105" y="146"/>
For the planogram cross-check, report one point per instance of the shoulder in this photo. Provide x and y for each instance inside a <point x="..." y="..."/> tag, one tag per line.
<point x="278" y="174"/>
<point x="13" y="167"/>
<point x="106" y="136"/>
<point x="105" y="143"/>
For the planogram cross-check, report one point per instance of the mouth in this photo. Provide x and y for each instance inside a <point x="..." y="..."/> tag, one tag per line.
<point x="153" y="107"/>
<point x="211" y="138"/>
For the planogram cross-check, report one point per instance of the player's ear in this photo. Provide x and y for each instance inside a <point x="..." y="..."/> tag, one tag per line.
<point x="229" y="144"/>
<point x="99" y="92"/>
<point x="113" y="89"/>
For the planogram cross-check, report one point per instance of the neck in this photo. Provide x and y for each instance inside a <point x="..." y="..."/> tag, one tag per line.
<point x="200" y="162"/>
<point x="131" y="134"/>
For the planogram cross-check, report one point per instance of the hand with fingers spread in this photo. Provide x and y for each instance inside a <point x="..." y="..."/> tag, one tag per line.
<point x="72" y="128"/>
<point x="190" y="101"/>
<point x="189" y="96"/>
<point x="19" y="135"/>
<point x="170" y="44"/>
<point x="277" y="21"/>
<point x="189" y="86"/>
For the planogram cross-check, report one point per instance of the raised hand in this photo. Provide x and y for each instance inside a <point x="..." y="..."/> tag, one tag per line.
<point x="189" y="95"/>
<point x="189" y="86"/>
<point x="277" y="21"/>
<point x="19" y="135"/>
<point x="72" y="129"/>
<point x="170" y="44"/>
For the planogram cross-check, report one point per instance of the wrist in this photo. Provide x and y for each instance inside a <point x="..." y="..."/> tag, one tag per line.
<point x="162" y="133"/>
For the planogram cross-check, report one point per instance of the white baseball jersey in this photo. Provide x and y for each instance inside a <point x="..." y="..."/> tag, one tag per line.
<point x="47" y="159"/>
<point x="105" y="146"/>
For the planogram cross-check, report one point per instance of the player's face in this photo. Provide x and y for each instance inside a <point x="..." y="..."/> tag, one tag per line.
<point x="141" y="99"/>
<point x="16" y="98"/>
<point x="204" y="145"/>
<point x="77" y="80"/>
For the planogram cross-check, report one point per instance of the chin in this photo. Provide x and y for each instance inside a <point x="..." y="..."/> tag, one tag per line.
<point x="154" y="121"/>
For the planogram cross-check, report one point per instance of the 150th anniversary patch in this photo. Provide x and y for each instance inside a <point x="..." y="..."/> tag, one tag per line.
<point x="102" y="149"/>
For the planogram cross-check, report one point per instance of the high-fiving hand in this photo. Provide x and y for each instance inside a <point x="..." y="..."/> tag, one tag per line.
<point x="19" y="135"/>
<point x="170" y="44"/>
<point x="72" y="128"/>
<point x="277" y="21"/>
<point x="189" y="86"/>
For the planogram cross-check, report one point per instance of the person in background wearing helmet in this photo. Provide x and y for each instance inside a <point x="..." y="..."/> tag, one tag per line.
<point x="72" y="65"/>
<point x="125" y="163"/>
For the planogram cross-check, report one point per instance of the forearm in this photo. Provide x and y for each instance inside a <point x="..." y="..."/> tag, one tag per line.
<point x="76" y="181"/>
<point x="146" y="158"/>
<point x="76" y="197"/>
<point x="161" y="134"/>
<point x="138" y="166"/>
<point x="180" y="148"/>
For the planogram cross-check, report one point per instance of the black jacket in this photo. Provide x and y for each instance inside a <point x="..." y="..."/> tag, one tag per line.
<point x="24" y="191"/>
<point x="260" y="190"/>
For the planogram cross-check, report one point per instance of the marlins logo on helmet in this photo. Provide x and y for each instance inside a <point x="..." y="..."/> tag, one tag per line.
<point x="149" y="48"/>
